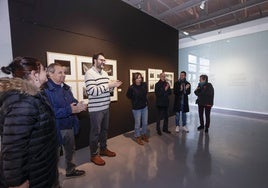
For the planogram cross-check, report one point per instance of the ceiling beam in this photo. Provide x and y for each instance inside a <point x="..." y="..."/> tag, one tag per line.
<point x="180" y="8"/>
<point x="220" y="13"/>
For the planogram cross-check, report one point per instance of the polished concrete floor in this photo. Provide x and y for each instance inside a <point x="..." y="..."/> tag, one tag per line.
<point x="233" y="155"/>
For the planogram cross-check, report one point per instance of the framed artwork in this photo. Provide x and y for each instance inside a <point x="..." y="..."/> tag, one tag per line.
<point x="170" y="79"/>
<point x="82" y="94"/>
<point x="73" y="86"/>
<point x="132" y="71"/>
<point x="114" y="95"/>
<point x="151" y="85"/>
<point x="151" y="74"/>
<point x="111" y="69"/>
<point x="83" y="64"/>
<point x="153" y="78"/>
<point x="66" y="60"/>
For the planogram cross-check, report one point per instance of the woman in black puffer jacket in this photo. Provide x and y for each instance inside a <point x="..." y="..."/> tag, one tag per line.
<point x="28" y="155"/>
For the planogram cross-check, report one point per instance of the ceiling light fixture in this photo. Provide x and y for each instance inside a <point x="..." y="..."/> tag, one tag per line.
<point x="185" y="33"/>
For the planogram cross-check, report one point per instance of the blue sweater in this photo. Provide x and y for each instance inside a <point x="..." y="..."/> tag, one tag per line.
<point x="60" y="98"/>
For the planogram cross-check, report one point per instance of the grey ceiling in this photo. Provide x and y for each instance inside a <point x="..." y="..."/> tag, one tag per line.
<point x="187" y="16"/>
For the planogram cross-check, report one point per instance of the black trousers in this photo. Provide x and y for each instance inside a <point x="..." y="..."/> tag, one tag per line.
<point x="207" y="109"/>
<point x="162" y="113"/>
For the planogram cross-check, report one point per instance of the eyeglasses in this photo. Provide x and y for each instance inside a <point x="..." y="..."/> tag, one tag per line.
<point x="102" y="60"/>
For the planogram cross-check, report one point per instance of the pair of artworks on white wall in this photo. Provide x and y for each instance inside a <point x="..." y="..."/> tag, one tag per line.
<point x="75" y="69"/>
<point x="153" y="77"/>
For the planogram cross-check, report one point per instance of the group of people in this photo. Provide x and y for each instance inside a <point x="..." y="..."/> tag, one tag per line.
<point x="38" y="117"/>
<point x="137" y="93"/>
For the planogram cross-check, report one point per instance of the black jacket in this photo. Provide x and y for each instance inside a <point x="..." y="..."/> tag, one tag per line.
<point x="28" y="136"/>
<point x="138" y="95"/>
<point x="205" y="95"/>
<point x="179" y="94"/>
<point x="162" y="96"/>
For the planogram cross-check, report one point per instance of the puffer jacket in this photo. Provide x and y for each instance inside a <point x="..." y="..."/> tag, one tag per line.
<point x="28" y="136"/>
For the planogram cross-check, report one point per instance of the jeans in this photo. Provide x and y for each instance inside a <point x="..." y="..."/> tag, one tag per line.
<point x="69" y="148"/>
<point x="140" y="116"/>
<point x="99" y="122"/>
<point x="162" y="113"/>
<point x="207" y="114"/>
<point x="183" y="116"/>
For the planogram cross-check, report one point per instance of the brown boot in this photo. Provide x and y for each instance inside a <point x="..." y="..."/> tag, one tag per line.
<point x="107" y="153"/>
<point x="97" y="160"/>
<point x="139" y="140"/>
<point x="145" y="138"/>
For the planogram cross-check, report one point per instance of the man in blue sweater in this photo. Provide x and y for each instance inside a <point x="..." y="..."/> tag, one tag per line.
<point x="65" y="106"/>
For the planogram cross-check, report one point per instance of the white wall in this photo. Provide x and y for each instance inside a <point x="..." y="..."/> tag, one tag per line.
<point x="5" y="37"/>
<point x="238" y="65"/>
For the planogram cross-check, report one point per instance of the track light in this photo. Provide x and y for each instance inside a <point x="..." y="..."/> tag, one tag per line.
<point x="185" y="33"/>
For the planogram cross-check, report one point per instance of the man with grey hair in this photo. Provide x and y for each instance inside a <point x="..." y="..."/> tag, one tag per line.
<point x="65" y="106"/>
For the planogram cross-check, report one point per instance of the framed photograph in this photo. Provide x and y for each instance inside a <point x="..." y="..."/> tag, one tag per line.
<point x="151" y="74"/>
<point x="131" y="73"/>
<point x="83" y="64"/>
<point x="66" y="60"/>
<point x="151" y="85"/>
<point x="114" y="95"/>
<point x="82" y="94"/>
<point x="153" y="78"/>
<point x="111" y="69"/>
<point x="170" y="79"/>
<point x="73" y="86"/>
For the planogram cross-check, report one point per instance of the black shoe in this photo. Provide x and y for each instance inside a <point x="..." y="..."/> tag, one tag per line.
<point x="201" y="127"/>
<point x="159" y="132"/>
<point x="206" y="130"/>
<point x="75" y="173"/>
<point x="167" y="131"/>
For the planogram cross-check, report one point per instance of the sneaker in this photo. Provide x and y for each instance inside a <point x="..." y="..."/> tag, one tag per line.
<point x="206" y="130"/>
<point x="184" y="128"/>
<point x="107" y="153"/>
<point x="177" y="129"/>
<point x="139" y="140"/>
<point x="201" y="127"/>
<point x="75" y="173"/>
<point x="97" y="160"/>
<point x="144" y="138"/>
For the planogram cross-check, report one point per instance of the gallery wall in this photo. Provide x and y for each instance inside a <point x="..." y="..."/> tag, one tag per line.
<point x="237" y="67"/>
<point x="132" y="38"/>
<point x="5" y="38"/>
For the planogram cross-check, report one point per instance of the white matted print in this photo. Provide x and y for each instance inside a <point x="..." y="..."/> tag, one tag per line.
<point x="151" y="85"/>
<point x="83" y="64"/>
<point x="170" y="79"/>
<point x="153" y="78"/>
<point x="131" y="73"/>
<point x="73" y="86"/>
<point x="111" y="68"/>
<point x="66" y="60"/>
<point x="82" y="94"/>
<point x="114" y="95"/>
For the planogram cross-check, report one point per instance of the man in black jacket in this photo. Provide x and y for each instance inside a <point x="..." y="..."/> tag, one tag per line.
<point x="162" y="92"/>
<point x="182" y="88"/>
<point x="205" y="94"/>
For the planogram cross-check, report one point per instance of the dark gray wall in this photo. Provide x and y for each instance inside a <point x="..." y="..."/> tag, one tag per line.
<point x="85" y="27"/>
